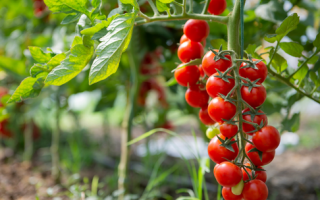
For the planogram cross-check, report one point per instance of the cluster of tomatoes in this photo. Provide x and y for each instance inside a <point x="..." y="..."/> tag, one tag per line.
<point x="214" y="78"/>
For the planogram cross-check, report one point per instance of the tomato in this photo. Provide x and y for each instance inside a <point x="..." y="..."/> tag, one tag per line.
<point x="261" y="175"/>
<point x="255" y="190"/>
<point x="201" y="71"/>
<point x="266" y="139"/>
<point x="228" y="195"/>
<point x="4" y="131"/>
<point x="210" y="66"/>
<point x="216" y="85"/>
<point x="219" y="154"/>
<point x="257" y="119"/>
<point x="184" y="38"/>
<point x="204" y="116"/>
<point x="189" y="50"/>
<point x="255" y="97"/>
<point x="217" y="7"/>
<point x="228" y="130"/>
<point x="227" y="174"/>
<point x="196" y="30"/>
<point x="254" y="74"/>
<point x="220" y="109"/>
<point x="188" y="75"/>
<point x="211" y="132"/>
<point x="267" y="157"/>
<point x="146" y="86"/>
<point x="167" y="125"/>
<point x="196" y="96"/>
<point x="237" y="189"/>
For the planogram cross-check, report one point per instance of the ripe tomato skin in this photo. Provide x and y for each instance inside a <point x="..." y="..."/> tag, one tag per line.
<point x="255" y="97"/>
<point x="257" y="119"/>
<point x="220" y="109"/>
<point x="254" y="74"/>
<point x="209" y="65"/>
<point x="189" y="50"/>
<point x="204" y="116"/>
<point x="184" y="38"/>
<point x="217" y="7"/>
<point x="4" y="129"/>
<point x="228" y="174"/>
<point x="218" y="153"/>
<point x="187" y="76"/>
<point x="228" y="130"/>
<point x="255" y="190"/>
<point x="266" y="139"/>
<point x="201" y="71"/>
<point x="267" y="157"/>
<point x="261" y="175"/>
<point x="196" y="30"/>
<point x="196" y="97"/>
<point x="228" y="195"/>
<point x="217" y="85"/>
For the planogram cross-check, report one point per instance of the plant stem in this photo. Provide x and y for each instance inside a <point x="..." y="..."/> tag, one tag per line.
<point x="154" y="8"/>
<point x="55" y="143"/>
<point x="205" y="8"/>
<point x="28" y="143"/>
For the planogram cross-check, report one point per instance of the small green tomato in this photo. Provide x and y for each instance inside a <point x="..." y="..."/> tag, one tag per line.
<point x="211" y="132"/>
<point x="237" y="189"/>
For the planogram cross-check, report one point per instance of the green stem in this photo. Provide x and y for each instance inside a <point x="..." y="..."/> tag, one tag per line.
<point x="178" y="4"/>
<point x="205" y="8"/>
<point x="55" y="143"/>
<point x="28" y="143"/>
<point x="191" y="6"/>
<point x="273" y="54"/>
<point x="154" y="8"/>
<point x="141" y="14"/>
<point x="184" y="8"/>
<point x="304" y="63"/>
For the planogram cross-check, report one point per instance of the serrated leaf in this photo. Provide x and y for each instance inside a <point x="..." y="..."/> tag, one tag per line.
<point x="316" y="42"/>
<point x="99" y="26"/>
<point x="216" y="43"/>
<point x="55" y="61"/>
<point x="71" y="18"/>
<point x="131" y="2"/>
<point x="76" y="40"/>
<point x="38" y="55"/>
<point x="292" y="48"/>
<point x="67" y="6"/>
<point x="315" y="78"/>
<point x="270" y="38"/>
<point x="71" y="66"/>
<point x="288" y="25"/>
<point x="278" y="62"/>
<point x="301" y="73"/>
<point x="38" y="68"/>
<point x="29" y="88"/>
<point x="111" y="47"/>
<point x="162" y="6"/>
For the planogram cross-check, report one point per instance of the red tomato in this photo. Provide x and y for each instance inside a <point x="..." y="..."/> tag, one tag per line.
<point x="254" y="74"/>
<point x="187" y="76"/>
<point x="196" y="30"/>
<point x="261" y="175"/>
<point x="184" y="38"/>
<point x="4" y="131"/>
<point x="219" y="154"/>
<point x="267" y="157"/>
<point x="201" y="71"/>
<point x="167" y="125"/>
<point x="217" y="85"/>
<point x="204" y="116"/>
<point x="266" y="139"/>
<point x="228" y="195"/>
<point x="257" y="119"/>
<point x="196" y="96"/>
<point x="255" y="97"/>
<point x="228" y="130"/>
<point x="255" y="190"/>
<point x="220" y="109"/>
<point x="209" y="65"/>
<point x="227" y="174"/>
<point x="189" y="50"/>
<point x="217" y="7"/>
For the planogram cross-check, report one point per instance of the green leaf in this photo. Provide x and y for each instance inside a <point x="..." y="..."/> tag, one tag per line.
<point x="292" y="48"/>
<point x="291" y="124"/>
<point x="96" y="3"/>
<point x="71" y="18"/>
<point x="166" y="1"/>
<point x="172" y="81"/>
<point x="162" y="7"/>
<point x="29" y="88"/>
<point x="98" y="27"/>
<point x="301" y="73"/>
<point x="131" y="2"/>
<point x="76" y="40"/>
<point x="38" y="68"/>
<point x="99" y="34"/>
<point x="316" y="42"/>
<point x="279" y="63"/>
<point x="14" y="66"/>
<point x="288" y="25"/>
<point x="313" y="60"/>
<point x="111" y="47"/>
<point x="71" y="66"/>
<point x="216" y="43"/>
<point x="315" y="78"/>
<point x="270" y="38"/>
<point x="55" y="61"/>
<point x="67" y="6"/>
<point x="38" y="55"/>
<point x="252" y="49"/>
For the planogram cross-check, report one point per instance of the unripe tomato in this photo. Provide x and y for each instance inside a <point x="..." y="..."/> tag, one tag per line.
<point x="267" y="157"/>
<point x="228" y="195"/>
<point x="216" y="85"/>
<point x="227" y="174"/>
<point x="266" y="139"/>
<point x="257" y="119"/>
<point x="228" y="130"/>
<point x="188" y="75"/>
<point x="189" y="50"/>
<point x="210" y="66"/>
<point x="196" y="96"/>
<point x="219" y="154"/>
<point x="217" y="7"/>
<point x="255" y="97"/>
<point x="220" y="109"/>
<point x="204" y="116"/>
<point x="261" y="175"/>
<point x="201" y="71"/>
<point x="255" y="190"/>
<point x="196" y="30"/>
<point x="254" y="74"/>
<point x="211" y="132"/>
<point x="237" y="189"/>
